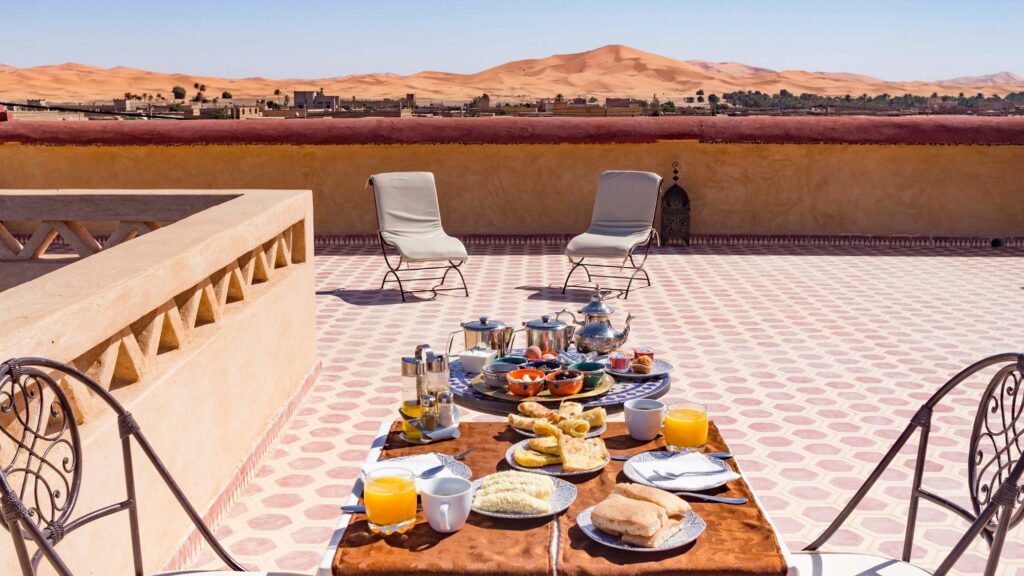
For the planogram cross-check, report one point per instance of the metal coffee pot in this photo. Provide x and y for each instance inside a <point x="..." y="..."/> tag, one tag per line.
<point x="549" y="335"/>
<point x="595" y="333"/>
<point x="485" y="333"/>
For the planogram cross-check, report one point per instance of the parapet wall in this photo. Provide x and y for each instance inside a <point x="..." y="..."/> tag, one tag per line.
<point x="908" y="176"/>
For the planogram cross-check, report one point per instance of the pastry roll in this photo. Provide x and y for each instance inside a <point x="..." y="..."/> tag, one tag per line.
<point x="545" y="428"/>
<point x="595" y="417"/>
<point x="570" y="410"/>
<point x="574" y="428"/>
<point x="521" y="422"/>
<point x="537" y="410"/>
<point x="544" y="445"/>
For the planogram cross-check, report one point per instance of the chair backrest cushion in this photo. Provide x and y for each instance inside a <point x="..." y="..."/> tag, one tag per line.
<point x="406" y="203"/>
<point x="626" y="202"/>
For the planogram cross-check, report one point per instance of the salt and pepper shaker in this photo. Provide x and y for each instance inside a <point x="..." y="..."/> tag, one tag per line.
<point x="445" y="409"/>
<point x="428" y="412"/>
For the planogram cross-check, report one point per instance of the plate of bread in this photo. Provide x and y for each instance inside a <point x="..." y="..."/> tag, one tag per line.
<point x="640" y="518"/>
<point x="558" y="455"/>
<point x="535" y="420"/>
<point x="522" y="495"/>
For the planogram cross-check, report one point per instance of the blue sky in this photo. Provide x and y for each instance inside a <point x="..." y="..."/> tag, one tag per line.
<point x="895" y="40"/>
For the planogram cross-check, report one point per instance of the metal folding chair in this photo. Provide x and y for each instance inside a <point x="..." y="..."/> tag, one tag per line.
<point x="622" y="227"/>
<point x="409" y="223"/>
<point x="41" y="466"/>
<point x="994" y="473"/>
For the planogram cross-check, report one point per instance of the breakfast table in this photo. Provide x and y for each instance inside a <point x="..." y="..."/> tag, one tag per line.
<point x="739" y="539"/>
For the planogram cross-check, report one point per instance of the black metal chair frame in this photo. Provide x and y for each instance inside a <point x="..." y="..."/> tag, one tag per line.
<point x="994" y="480"/>
<point x="48" y="460"/>
<point x="391" y="276"/>
<point x="637" y="269"/>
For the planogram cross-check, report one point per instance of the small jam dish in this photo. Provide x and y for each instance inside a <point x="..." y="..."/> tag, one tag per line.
<point x="593" y="372"/>
<point x="545" y="366"/>
<point x="519" y="361"/>
<point x="526" y="382"/>
<point x="565" y="382"/>
<point x="495" y="374"/>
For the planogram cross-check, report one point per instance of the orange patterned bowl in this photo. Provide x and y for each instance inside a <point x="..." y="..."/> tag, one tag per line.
<point x="565" y="382"/>
<point x="526" y="382"/>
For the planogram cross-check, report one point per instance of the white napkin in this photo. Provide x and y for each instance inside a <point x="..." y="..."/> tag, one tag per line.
<point x="691" y="462"/>
<point x="416" y="465"/>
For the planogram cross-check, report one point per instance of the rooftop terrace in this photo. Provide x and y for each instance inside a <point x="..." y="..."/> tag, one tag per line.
<point x="841" y="271"/>
<point x="811" y="360"/>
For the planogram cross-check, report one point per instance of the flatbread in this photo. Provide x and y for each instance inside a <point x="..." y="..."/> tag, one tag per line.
<point x="580" y="454"/>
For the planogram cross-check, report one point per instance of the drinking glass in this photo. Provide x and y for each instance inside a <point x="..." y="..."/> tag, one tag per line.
<point x="390" y="498"/>
<point x="686" y="427"/>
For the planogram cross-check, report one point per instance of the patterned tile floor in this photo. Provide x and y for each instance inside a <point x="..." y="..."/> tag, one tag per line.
<point x="811" y="360"/>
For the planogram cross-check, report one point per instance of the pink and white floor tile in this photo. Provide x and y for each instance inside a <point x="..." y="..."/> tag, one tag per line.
<point x="810" y="359"/>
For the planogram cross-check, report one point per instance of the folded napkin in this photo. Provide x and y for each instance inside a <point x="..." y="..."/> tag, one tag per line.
<point x="415" y="464"/>
<point x="691" y="462"/>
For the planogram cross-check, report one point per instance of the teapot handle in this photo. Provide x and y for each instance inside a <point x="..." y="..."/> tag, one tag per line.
<point x="451" y="340"/>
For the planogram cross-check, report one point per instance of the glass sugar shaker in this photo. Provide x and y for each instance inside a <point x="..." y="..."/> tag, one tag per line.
<point x="438" y="374"/>
<point x="445" y="410"/>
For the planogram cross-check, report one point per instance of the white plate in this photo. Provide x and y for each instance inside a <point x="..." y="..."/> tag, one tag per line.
<point x="550" y="469"/>
<point x="711" y="481"/>
<point x="659" y="369"/>
<point x="563" y="497"/>
<point x="591" y="434"/>
<point x="454" y="466"/>
<point x="693" y="527"/>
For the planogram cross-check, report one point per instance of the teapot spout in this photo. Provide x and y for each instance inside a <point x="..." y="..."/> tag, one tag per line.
<point x="625" y="331"/>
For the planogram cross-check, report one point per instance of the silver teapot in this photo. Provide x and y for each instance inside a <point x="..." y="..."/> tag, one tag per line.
<point x="485" y="333"/>
<point x="595" y="333"/>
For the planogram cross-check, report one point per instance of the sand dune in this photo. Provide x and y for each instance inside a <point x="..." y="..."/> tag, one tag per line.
<point x="607" y="71"/>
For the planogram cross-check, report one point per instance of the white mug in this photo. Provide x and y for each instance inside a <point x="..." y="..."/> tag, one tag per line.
<point x="446" y="502"/>
<point x="644" y="418"/>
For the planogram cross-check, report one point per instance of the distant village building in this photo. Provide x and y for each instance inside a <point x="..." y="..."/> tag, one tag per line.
<point x="310" y="100"/>
<point x="198" y="112"/>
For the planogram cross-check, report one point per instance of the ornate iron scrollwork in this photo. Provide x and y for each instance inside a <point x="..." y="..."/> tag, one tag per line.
<point x="997" y="441"/>
<point x="39" y="445"/>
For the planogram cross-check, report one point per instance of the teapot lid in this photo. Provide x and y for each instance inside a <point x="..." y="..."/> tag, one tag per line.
<point x="485" y="324"/>
<point x="597" y="304"/>
<point x="545" y="323"/>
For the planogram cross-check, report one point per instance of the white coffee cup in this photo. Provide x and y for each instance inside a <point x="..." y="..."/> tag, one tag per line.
<point x="446" y="502"/>
<point x="644" y="418"/>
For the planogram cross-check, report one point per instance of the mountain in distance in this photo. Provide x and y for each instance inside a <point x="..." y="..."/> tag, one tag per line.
<point x="609" y="71"/>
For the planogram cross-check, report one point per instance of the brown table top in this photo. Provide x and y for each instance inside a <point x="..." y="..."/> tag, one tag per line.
<point x="738" y="541"/>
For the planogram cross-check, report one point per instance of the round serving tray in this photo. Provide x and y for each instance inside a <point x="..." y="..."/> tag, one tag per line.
<point x="622" y="391"/>
<point x="602" y="387"/>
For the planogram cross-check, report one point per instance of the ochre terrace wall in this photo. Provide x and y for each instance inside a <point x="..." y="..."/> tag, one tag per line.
<point x="203" y="328"/>
<point x="868" y="176"/>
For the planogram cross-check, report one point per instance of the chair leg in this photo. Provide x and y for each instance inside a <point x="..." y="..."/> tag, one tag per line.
<point x="394" y="273"/>
<point x="575" y="265"/>
<point x="465" y="288"/>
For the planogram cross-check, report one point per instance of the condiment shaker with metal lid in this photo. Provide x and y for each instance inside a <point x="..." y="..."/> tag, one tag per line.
<point x="428" y="412"/>
<point x="437" y="374"/>
<point x="445" y="410"/>
<point x="413" y="386"/>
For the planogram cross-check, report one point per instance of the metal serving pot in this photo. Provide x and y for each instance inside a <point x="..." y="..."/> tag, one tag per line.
<point x="550" y="335"/>
<point x="485" y="333"/>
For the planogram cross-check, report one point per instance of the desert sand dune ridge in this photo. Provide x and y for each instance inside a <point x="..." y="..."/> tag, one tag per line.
<point x="609" y="71"/>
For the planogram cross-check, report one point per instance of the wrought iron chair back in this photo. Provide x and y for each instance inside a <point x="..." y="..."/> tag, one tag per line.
<point x="995" y="464"/>
<point x="41" y="464"/>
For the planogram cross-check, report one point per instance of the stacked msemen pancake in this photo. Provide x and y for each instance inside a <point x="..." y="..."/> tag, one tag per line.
<point x="640" y="515"/>
<point x="515" y="493"/>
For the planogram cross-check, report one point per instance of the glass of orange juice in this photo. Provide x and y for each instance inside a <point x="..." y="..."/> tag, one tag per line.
<point x="390" y="498"/>
<point x="686" y="427"/>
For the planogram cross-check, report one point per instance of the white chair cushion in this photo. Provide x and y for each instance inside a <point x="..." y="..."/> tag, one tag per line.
<point x="623" y="213"/>
<point x="850" y="564"/>
<point x="409" y="217"/>
<point x="604" y="245"/>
